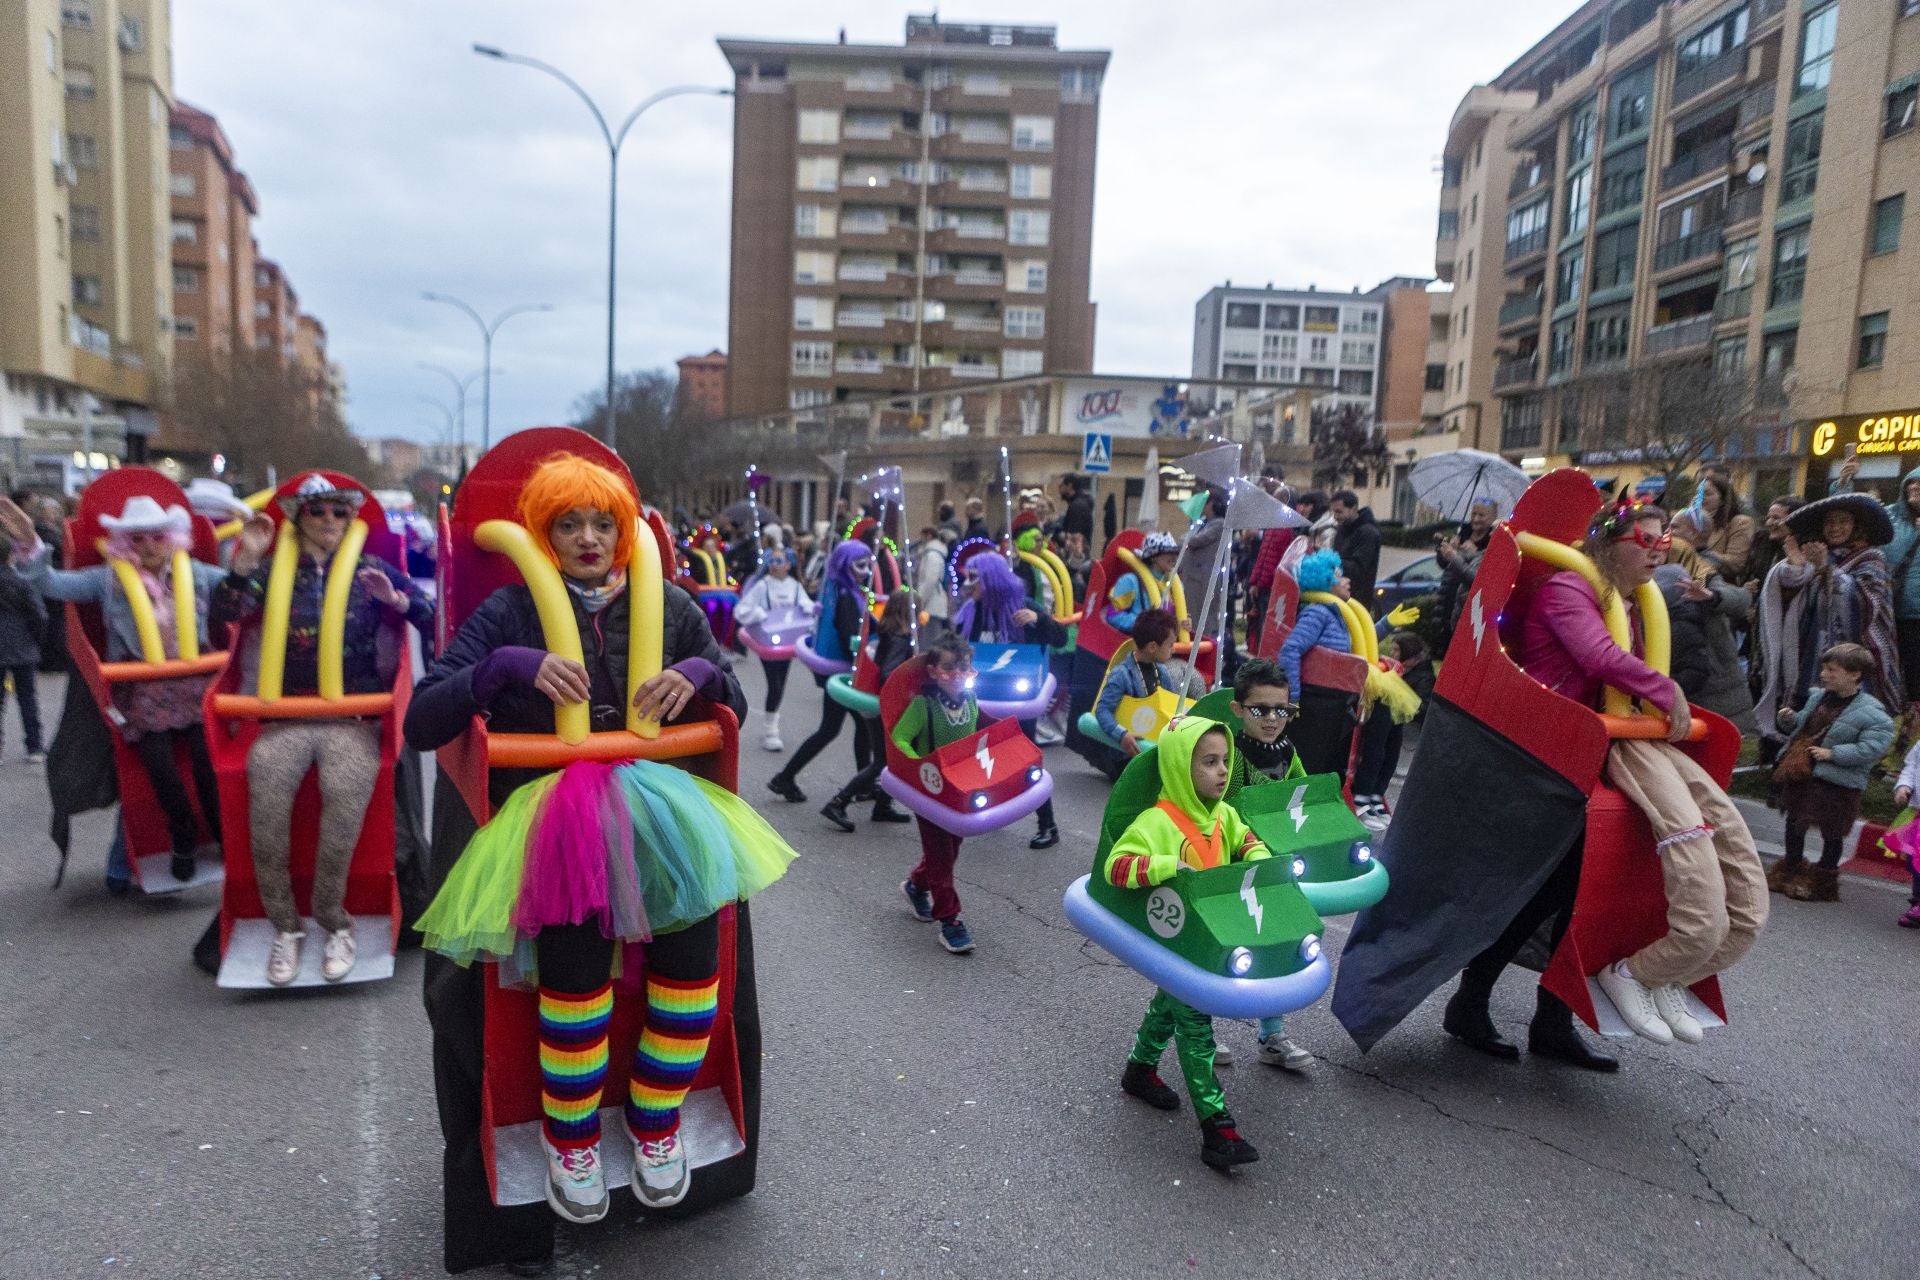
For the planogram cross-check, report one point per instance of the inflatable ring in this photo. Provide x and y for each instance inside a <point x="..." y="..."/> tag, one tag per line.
<point x="774" y="636"/>
<point x="1344" y="897"/>
<point x="1090" y="727"/>
<point x="865" y="705"/>
<point x="1026" y="709"/>
<point x="977" y="822"/>
<point x="810" y="659"/>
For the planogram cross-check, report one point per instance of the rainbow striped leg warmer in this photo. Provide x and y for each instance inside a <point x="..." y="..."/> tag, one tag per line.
<point x="671" y="1049"/>
<point x="573" y="1064"/>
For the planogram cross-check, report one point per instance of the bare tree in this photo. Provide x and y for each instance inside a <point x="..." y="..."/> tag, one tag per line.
<point x="263" y="412"/>
<point x="1346" y="446"/>
<point x="1667" y="415"/>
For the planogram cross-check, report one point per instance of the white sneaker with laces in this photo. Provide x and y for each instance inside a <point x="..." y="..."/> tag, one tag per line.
<point x="1279" y="1051"/>
<point x="283" y="961"/>
<point x="1375" y="818"/>
<point x="661" y="1177"/>
<point x="576" y="1189"/>
<point x="1222" y="1056"/>
<point x="1671" y="1001"/>
<point x="1635" y="1003"/>
<point x="336" y="961"/>
<point x="770" y="740"/>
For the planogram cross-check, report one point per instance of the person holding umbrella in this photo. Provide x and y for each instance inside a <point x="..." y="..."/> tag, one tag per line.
<point x="1459" y="558"/>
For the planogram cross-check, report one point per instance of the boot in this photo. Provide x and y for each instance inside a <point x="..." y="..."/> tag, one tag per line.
<point x="1144" y="1083"/>
<point x="1045" y="838"/>
<point x="1468" y="1021"/>
<point x="1782" y="873"/>
<point x="835" y="812"/>
<point x="1817" y="884"/>
<point x="1221" y="1146"/>
<point x="883" y="810"/>
<point x="1553" y="1035"/>
<point x="786" y="788"/>
<point x="770" y="740"/>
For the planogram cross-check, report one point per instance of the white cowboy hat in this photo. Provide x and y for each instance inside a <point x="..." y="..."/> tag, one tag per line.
<point x="143" y="515"/>
<point x="314" y="485"/>
<point x="216" y="499"/>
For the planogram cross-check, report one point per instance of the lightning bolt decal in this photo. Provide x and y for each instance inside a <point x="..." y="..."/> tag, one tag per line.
<point x="1296" y="808"/>
<point x="1479" y="623"/>
<point x="984" y="758"/>
<point x="1002" y="662"/>
<point x="1252" y="899"/>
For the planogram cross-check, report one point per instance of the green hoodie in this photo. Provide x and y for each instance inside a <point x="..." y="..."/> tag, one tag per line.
<point x="1154" y="847"/>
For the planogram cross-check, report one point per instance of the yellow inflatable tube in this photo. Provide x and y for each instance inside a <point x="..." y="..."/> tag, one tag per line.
<point x="273" y="617"/>
<point x="1062" y="593"/>
<point x="258" y="501"/>
<point x="646" y="639"/>
<point x="1062" y="576"/>
<point x="571" y="722"/>
<point x="333" y="610"/>
<point x="186" y="619"/>
<point x="1176" y="594"/>
<point x="151" y="648"/>
<point x="1138" y="568"/>
<point x="1655" y="629"/>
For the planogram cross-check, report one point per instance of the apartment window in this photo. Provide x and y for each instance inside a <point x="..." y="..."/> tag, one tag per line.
<point x="1469" y="275"/>
<point x="1280" y="346"/>
<point x="80" y="83"/>
<point x="1816" y="49"/>
<point x="133" y="38"/>
<point x="1318" y="377"/>
<point x="812" y="359"/>
<point x="86" y="290"/>
<point x="1322" y="320"/>
<point x="1029" y="278"/>
<point x="186" y="280"/>
<point x="818" y="173"/>
<point x="1028" y="226"/>
<point x="178" y="138"/>
<point x="1887" y="217"/>
<point x="181" y="184"/>
<point x="1364" y="321"/>
<point x="1527" y="227"/>
<point x="1022" y="362"/>
<point x="1901" y="105"/>
<point x="1623" y="179"/>
<point x="1579" y="201"/>
<point x="1079" y="83"/>
<point x="1449" y="228"/>
<point x="1026" y="322"/>
<point x="1317" y="349"/>
<point x="1730" y="357"/>
<point x="1607" y="331"/>
<point x="76" y="13"/>
<point x="1789" y="266"/>
<point x="83" y="150"/>
<point x="86" y="222"/>
<point x="1873" y="341"/>
<point x="1580" y="137"/>
<point x="808" y="397"/>
<point x="815" y="222"/>
<point x="810" y="267"/>
<point x="1736" y="281"/>
<point x="1568" y="275"/>
<point x="1473" y="210"/>
<point x="1436" y="378"/>
<point x="812" y="313"/>
<point x="1355" y="351"/>
<point x="1281" y="316"/>
<point x="1630" y="102"/>
<point x="1726" y="34"/>
<point x="60" y="235"/>
<point x="819" y="126"/>
<point x="186" y="231"/>
<point x="1613" y="256"/>
<point x="871" y="80"/>
<point x="1032" y="181"/>
<point x="1777" y="353"/>
<point x="53" y="53"/>
<point x="1560" y="348"/>
<point x="263" y="311"/>
<point x="1802" y="173"/>
<point x="1356" y="382"/>
<point x="1033" y="133"/>
<point x="186" y="327"/>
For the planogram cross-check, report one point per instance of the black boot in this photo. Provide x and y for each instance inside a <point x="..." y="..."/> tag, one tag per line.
<point x="1552" y="1035"/>
<point x="1047" y="837"/>
<point x="1144" y="1083"/>
<point x="835" y="812"/>
<point x="883" y="810"/>
<point x="782" y="785"/>
<point x="1468" y="1021"/>
<point x="182" y="866"/>
<point x="1221" y="1146"/>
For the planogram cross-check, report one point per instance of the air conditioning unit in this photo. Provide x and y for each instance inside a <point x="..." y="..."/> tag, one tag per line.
<point x="64" y="174"/>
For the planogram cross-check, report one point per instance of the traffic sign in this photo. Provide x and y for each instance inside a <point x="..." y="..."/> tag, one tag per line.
<point x="1096" y="455"/>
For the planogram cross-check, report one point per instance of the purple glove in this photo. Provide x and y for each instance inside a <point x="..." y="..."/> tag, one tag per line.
<point x="512" y="664"/>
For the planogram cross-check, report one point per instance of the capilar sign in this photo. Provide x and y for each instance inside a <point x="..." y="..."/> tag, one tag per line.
<point x="1873" y="433"/>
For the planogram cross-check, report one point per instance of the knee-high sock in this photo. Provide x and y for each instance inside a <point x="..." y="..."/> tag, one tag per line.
<point x="573" y="1064"/>
<point x="671" y="1049"/>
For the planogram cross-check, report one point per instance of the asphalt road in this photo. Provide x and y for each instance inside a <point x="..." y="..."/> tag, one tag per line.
<point x="935" y="1116"/>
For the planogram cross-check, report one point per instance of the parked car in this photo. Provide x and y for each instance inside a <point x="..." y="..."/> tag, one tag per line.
<point x="1410" y="582"/>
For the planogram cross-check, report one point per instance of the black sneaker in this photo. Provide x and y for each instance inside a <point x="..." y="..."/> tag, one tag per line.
<point x="182" y="866"/>
<point x="1045" y="838"/>
<point x="1144" y="1083"/>
<point x="883" y="811"/>
<point x="919" y="900"/>
<point x="1221" y="1146"/>
<point x="786" y="788"/>
<point x="835" y="811"/>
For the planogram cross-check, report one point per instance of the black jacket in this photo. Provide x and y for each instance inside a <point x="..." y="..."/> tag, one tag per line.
<point x="1692" y="660"/>
<point x="1078" y="517"/>
<point x="23" y="618"/>
<point x="444" y="704"/>
<point x="1358" y="542"/>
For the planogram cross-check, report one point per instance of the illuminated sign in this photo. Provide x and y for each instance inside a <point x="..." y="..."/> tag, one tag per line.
<point x="1870" y="434"/>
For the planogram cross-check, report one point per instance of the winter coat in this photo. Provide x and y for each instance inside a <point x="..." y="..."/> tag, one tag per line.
<point x="1203" y="544"/>
<point x="96" y="584"/>
<point x="767" y="594"/>
<point x="1318" y="624"/>
<point x="1566" y="647"/>
<point x="1906" y="532"/>
<point x="1078" y="517"/>
<point x="1358" y="542"/>
<point x="1725" y="547"/>
<point x="239" y="598"/>
<point x="1691" y="667"/>
<point x="930" y="570"/>
<point x="23" y="618"/>
<point x="1858" y="739"/>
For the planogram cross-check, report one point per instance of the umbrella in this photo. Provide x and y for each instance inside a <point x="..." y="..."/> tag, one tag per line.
<point x="742" y="515"/>
<point x="1451" y="482"/>
<point x="1149" y="517"/>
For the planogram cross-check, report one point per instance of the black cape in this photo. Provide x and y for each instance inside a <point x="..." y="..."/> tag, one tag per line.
<point x="81" y="773"/>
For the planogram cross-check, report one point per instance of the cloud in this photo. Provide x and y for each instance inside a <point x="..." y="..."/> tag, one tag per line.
<point x="1288" y="141"/>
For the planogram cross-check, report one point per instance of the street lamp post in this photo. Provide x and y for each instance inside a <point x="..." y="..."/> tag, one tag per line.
<point x="460" y="386"/>
<point x="614" y="139"/>
<point x="486" y="353"/>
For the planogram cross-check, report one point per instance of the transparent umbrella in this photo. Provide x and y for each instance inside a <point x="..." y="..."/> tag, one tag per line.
<point x="1451" y="483"/>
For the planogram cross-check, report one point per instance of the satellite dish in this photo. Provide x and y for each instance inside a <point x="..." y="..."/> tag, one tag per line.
<point x="1757" y="174"/>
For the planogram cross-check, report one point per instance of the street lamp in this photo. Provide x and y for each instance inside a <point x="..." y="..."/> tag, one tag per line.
<point x="614" y="138"/>
<point x="486" y="359"/>
<point x="460" y="386"/>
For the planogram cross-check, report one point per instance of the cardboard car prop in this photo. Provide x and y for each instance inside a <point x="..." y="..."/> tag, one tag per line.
<point x="1012" y="680"/>
<point x="1146" y="718"/>
<point x="981" y="783"/>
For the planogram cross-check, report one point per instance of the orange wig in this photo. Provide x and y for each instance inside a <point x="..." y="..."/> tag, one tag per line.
<point x="564" y="481"/>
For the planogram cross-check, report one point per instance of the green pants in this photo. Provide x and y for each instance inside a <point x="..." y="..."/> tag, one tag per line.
<point x="1170" y="1019"/>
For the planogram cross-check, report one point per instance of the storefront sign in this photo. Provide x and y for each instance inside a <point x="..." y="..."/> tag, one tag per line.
<point x="1870" y="434"/>
<point x="1110" y="408"/>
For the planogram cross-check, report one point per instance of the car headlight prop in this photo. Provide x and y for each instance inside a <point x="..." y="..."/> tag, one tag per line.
<point x="1310" y="948"/>
<point x="1299" y="867"/>
<point x="978" y="800"/>
<point x="1361" y="853"/>
<point x="1033" y="773"/>
<point x="1240" y="960"/>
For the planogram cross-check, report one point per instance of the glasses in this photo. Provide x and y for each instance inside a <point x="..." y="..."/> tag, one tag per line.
<point x="139" y="537"/>
<point x="316" y="510"/>
<point x="1283" y="712"/>
<point x="952" y="673"/>
<point x="1639" y="537"/>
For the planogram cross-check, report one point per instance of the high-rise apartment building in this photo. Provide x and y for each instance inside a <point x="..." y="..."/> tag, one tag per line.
<point x="1699" y="214"/>
<point x="912" y="218"/>
<point x="86" y="280"/>
<point x="213" y="208"/>
<point x="1320" y="340"/>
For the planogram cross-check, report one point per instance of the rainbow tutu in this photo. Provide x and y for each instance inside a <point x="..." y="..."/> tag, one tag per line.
<point x="643" y="848"/>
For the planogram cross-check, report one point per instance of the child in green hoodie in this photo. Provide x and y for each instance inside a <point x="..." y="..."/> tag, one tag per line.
<point x="1191" y="828"/>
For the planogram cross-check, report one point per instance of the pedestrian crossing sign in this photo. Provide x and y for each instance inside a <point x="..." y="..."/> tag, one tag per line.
<point x="1096" y="455"/>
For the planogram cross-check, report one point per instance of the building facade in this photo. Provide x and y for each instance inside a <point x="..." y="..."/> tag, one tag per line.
<point x="1328" y="341"/>
<point x="85" y="284"/>
<point x="1699" y="237"/>
<point x="212" y="211"/>
<point x="909" y="218"/>
<point x="703" y="386"/>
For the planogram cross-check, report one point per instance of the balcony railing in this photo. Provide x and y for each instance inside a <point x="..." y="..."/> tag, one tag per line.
<point x="984" y="137"/>
<point x="1515" y="373"/>
<point x="861" y="319"/>
<point x="1701" y="244"/>
<point x="851" y="364"/>
<point x="979" y="277"/>
<point x="867" y="272"/>
<point x="972" y="370"/>
<point x="977" y="183"/>
<point x="1702" y="159"/>
<point x="868" y="132"/>
<point x="1527" y="245"/>
<point x="1745" y="203"/>
<point x="865" y="227"/>
<point x="1694" y="331"/>
<point x="1520" y="435"/>
<point x="1518" y="310"/>
<point x="1756" y="106"/>
<point x="1688" y="85"/>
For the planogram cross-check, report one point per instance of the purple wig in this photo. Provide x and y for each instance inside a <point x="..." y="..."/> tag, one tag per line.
<point x="1001" y="596"/>
<point x="840" y="565"/>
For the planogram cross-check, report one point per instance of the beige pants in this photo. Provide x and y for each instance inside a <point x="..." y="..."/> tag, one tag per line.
<point x="1716" y="890"/>
<point x="347" y="755"/>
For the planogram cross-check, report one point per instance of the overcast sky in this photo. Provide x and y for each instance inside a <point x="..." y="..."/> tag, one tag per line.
<point x="1291" y="141"/>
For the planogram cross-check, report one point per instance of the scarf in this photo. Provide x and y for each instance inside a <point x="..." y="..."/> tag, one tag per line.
<point x="1266" y="756"/>
<point x="161" y="597"/>
<point x="594" y="599"/>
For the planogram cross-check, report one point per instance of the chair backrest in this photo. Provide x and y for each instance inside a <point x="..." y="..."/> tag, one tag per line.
<point x="1096" y="636"/>
<point x="1559" y="505"/>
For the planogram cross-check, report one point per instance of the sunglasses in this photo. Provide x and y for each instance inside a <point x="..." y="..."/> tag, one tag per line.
<point x="1283" y="713"/>
<point x="315" y="510"/>
<point x="142" y="537"/>
<point x="1658" y="542"/>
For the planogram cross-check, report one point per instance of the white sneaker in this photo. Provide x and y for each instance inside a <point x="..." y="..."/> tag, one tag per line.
<point x="1671" y="1001"/>
<point x="283" y="962"/>
<point x="1222" y="1056"/>
<point x="1635" y="1003"/>
<point x="1278" y="1051"/>
<point x="661" y="1177"/>
<point x="576" y="1189"/>
<point x="336" y="961"/>
<point x="1375" y="818"/>
<point x="770" y="741"/>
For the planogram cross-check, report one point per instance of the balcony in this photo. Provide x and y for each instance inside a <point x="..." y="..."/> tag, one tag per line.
<point x="975" y="324"/>
<point x="857" y="364"/>
<point x="1755" y="107"/>
<point x="1688" y="85"/>
<point x="1516" y="373"/>
<point x="864" y="272"/>
<point x="980" y="371"/>
<point x="1694" y="331"/>
<point x="1745" y="204"/>
<point x="1761" y="12"/>
<point x="1521" y="310"/>
<point x="1699" y="162"/>
<point x="1534" y="242"/>
<point x="1530" y="174"/>
<point x="977" y="182"/>
<point x="1449" y="225"/>
<point x="1701" y="244"/>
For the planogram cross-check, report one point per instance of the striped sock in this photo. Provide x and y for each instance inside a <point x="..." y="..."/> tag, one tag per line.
<point x="573" y="1064"/>
<point x="671" y="1049"/>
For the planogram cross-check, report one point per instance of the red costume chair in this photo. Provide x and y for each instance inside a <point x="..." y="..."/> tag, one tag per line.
<point x="145" y="826"/>
<point x="1622" y="904"/>
<point x="720" y="1119"/>
<point x="1344" y="672"/>
<point x="233" y="721"/>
